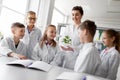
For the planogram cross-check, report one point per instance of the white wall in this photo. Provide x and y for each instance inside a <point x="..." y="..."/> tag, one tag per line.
<point x="34" y="5"/>
<point x="101" y="22"/>
<point x="106" y="13"/>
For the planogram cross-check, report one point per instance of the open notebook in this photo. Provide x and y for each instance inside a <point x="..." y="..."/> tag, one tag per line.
<point x="70" y="76"/>
<point x="39" y="65"/>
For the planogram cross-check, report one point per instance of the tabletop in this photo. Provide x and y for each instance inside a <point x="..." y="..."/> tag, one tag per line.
<point x="8" y="72"/>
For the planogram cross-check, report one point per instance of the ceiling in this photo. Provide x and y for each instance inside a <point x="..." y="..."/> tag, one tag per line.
<point x="106" y="13"/>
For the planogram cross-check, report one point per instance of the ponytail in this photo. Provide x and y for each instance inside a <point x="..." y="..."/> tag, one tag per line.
<point x="112" y="33"/>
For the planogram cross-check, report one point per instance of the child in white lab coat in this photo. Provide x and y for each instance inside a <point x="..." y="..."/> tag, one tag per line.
<point x="47" y="48"/>
<point x="32" y="32"/>
<point x="110" y="55"/>
<point x="13" y="46"/>
<point x="88" y="59"/>
<point x="87" y="54"/>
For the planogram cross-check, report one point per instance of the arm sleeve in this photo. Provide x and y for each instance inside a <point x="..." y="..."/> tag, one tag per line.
<point x="77" y="49"/>
<point x="58" y="59"/>
<point x="40" y="35"/>
<point x="4" y="48"/>
<point x="35" y="53"/>
<point x="113" y="67"/>
<point x="24" y="50"/>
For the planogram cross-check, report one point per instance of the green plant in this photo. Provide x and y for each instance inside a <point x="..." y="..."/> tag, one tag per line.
<point x="67" y="40"/>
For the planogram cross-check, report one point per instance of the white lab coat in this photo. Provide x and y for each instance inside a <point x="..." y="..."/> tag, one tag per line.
<point x="69" y="59"/>
<point x="66" y="59"/>
<point x="46" y="54"/>
<point x="110" y="63"/>
<point x="31" y="39"/>
<point x="72" y="32"/>
<point x="118" y="73"/>
<point x="7" y="45"/>
<point x="88" y="59"/>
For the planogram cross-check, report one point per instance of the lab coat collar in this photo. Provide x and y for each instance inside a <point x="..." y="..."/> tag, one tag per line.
<point x="75" y="27"/>
<point x="47" y="43"/>
<point x="87" y="45"/>
<point x="109" y="50"/>
<point x="28" y="30"/>
<point x="12" y="38"/>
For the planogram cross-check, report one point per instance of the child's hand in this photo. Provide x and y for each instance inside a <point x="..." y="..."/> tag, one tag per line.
<point x="18" y="56"/>
<point x="67" y="49"/>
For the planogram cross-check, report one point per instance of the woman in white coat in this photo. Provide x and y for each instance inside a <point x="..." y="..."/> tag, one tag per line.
<point x="72" y="32"/>
<point x="47" y="48"/>
<point x="13" y="46"/>
<point x="110" y="55"/>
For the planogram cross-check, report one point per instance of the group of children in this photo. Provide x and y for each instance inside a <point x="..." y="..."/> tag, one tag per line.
<point x="28" y="43"/>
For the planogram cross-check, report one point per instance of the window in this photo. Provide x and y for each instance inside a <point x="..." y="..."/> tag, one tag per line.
<point x="17" y="5"/>
<point x="60" y="30"/>
<point x="11" y="11"/>
<point x="57" y="17"/>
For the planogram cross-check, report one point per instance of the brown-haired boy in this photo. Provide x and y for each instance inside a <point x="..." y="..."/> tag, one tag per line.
<point x="12" y="46"/>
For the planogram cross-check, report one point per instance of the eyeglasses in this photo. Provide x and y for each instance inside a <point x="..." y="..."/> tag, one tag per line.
<point x="30" y="18"/>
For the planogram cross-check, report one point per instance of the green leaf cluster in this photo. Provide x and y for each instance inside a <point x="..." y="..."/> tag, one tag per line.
<point x="67" y="40"/>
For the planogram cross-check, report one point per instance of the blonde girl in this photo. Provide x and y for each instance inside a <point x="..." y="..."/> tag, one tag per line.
<point x="47" y="48"/>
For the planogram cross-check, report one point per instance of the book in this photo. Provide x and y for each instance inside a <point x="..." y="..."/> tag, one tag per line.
<point x="70" y="76"/>
<point x="90" y="77"/>
<point x="39" y="65"/>
<point x="78" y="76"/>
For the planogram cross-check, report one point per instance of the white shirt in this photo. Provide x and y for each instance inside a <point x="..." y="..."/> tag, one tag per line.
<point x="46" y="53"/>
<point x="31" y="39"/>
<point x="88" y="59"/>
<point x="110" y="62"/>
<point x="7" y="45"/>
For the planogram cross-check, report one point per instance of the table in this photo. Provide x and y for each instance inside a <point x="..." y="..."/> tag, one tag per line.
<point x="8" y="72"/>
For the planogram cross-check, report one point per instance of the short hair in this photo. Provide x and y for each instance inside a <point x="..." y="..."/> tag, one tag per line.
<point x="18" y="25"/>
<point x="89" y="25"/>
<point x="31" y="12"/>
<point x="79" y="8"/>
